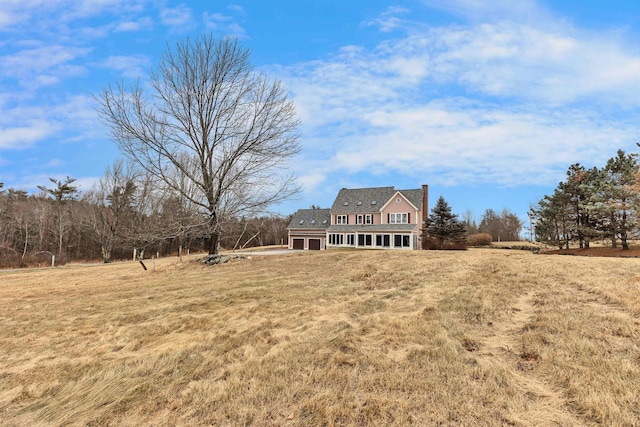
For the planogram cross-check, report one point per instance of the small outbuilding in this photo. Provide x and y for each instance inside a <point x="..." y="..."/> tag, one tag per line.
<point x="308" y="229"/>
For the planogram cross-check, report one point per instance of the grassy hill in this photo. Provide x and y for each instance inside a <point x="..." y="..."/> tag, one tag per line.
<point x="480" y="337"/>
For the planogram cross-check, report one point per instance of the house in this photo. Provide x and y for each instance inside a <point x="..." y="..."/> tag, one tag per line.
<point x="308" y="229"/>
<point x="381" y="217"/>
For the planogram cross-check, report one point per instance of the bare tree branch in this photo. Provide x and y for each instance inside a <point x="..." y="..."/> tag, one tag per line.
<point x="213" y="130"/>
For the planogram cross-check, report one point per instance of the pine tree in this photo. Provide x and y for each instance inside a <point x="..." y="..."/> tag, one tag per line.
<point x="442" y="225"/>
<point x="63" y="192"/>
<point x="620" y="178"/>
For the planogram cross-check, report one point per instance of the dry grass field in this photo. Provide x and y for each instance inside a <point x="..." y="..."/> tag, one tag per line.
<point x="465" y="338"/>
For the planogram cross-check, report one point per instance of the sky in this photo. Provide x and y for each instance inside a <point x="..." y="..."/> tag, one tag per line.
<point x="486" y="102"/>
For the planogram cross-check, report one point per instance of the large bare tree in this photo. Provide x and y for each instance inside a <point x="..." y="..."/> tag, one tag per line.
<point x="213" y="119"/>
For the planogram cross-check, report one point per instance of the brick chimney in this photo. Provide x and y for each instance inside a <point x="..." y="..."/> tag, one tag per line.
<point x="425" y="214"/>
<point x="425" y="202"/>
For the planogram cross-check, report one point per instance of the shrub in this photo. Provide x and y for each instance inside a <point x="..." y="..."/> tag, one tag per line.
<point x="449" y="245"/>
<point x="479" y="239"/>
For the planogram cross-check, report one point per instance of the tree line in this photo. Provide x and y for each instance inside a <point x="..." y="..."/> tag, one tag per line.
<point x="444" y="230"/>
<point x="208" y="140"/>
<point x="592" y="204"/>
<point x="502" y="227"/>
<point x="126" y="210"/>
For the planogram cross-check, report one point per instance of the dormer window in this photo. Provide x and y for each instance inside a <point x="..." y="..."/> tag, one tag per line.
<point x="324" y="221"/>
<point x="374" y="202"/>
<point x="313" y="221"/>
<point x="346" y="203"/>
<point x="359" y="203"/>
<point x="301" y="221"/>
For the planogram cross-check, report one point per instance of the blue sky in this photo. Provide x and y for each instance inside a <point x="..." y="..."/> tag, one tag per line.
<point x="487" y="102"/>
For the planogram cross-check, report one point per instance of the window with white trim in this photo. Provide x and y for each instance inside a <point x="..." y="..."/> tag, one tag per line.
<point x="359" y="219"/>
<point x="368" y="219"/>
<point x="336" y="239"/>
<point x="383" y="240"/>
<point x="399" y="218"/>
<point x="365" y="239"/>
<point x="351" y="240"/>
<point x="402" y="240"/>
<point x="342" y="219"/>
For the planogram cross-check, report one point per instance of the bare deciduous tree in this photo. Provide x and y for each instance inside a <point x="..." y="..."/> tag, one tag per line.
<point x="211" y="117"/>
<point x="108" y="204"/>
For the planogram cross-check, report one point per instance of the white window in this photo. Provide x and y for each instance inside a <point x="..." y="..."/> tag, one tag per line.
<point x="399" y="218"/>
<point x="336" y="239"/>
<point x="364" y="219"/>
<point x="365" y="239"/>
<point x="342" y="219"/>
<point x="351" y="241"/>
<point x="402" y="240"/>
<point x="383" y="240"/>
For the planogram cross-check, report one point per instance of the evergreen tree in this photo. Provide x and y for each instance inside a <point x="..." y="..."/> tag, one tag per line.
<point x="553" y="220"/>
<point x="442" y="225"/>
<point x="592" y="203"/>
<point x="580" y="188"/>
<point x="620" y="179"/>
<point x="62" y="193"/>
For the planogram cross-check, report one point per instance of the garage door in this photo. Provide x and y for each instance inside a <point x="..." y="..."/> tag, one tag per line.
<point x="298" y="243"/>
<point x="314" y="244"/>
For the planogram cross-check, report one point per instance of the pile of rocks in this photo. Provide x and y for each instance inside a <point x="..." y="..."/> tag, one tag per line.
<point x="216" y="259"/>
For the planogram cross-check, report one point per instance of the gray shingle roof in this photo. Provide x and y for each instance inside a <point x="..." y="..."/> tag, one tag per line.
<point x="316" y="219"/>
<point x="361" y="200"/>
<point x="414" y="196"/>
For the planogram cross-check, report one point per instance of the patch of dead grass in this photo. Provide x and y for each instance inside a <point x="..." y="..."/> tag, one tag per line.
<point x="481" y="337"/>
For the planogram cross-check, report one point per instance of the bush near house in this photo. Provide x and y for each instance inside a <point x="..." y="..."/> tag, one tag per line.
<point x="450" y="245"/>
<point x="479" y="239"/>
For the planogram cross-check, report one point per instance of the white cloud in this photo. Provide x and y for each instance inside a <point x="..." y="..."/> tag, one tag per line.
<point x="131" y="26"/>
<point x="236" y="9"/>
<point x="510" y="60"/>
<point x="178" y="18"/>
<point x="54" y="163"/>
<point x="495" y="10"/>
<point x="134" y="66"/>
<point x="85" y="183"/>
<point x="310" y="181"/>
<point x="19" y="137"/>
<point x="452" y="141"/>
<point x="390" y="19"/>
<point x="528" y="100"/>
<point x="40" y="58"/>
<point x="24" y="126"/>
<point x="42" y="65"/>
<point x="222" y="24"/>
<point x="40" y="14"/>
